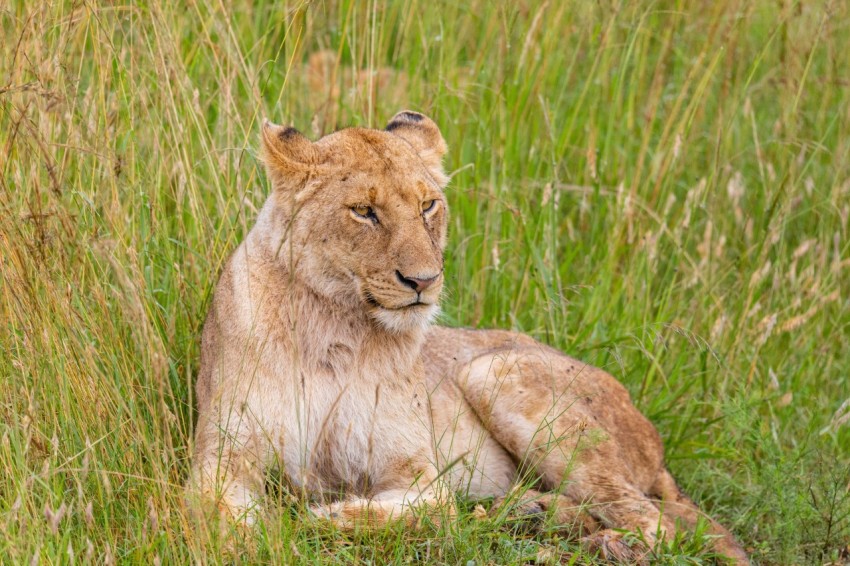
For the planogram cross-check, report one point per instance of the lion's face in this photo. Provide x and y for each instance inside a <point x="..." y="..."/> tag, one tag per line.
<point x="365" y="214"/>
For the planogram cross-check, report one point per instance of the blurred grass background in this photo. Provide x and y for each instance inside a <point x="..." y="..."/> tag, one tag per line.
<point x="661" y="188"/>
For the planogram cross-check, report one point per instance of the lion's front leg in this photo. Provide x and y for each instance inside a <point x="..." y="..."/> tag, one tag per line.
<point x="384" y="508"/>
<point x="408" y="488"/>
<point x="228" y="469"/>
<point x="535" y="509"/>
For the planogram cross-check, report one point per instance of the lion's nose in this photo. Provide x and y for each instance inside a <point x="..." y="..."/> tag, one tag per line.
<point x="416" y="283"/>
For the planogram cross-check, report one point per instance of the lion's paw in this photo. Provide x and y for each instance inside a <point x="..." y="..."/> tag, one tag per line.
<point x="331" y="513"/>
<point x="616" y="546"/>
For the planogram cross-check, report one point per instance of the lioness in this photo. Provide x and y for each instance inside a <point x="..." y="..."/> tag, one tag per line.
<point x="318" y="356"/>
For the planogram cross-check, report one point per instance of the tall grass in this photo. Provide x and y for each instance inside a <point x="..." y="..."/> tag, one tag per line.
<point x="659" y="188"/>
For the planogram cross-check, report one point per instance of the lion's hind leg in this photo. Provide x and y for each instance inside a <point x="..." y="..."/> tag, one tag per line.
<point x="527" y="402"/>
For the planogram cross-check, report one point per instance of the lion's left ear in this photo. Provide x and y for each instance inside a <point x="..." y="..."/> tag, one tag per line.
<point x="423" y="134"/>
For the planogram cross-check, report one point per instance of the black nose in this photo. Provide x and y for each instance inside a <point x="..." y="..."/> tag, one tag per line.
<point x="417" y="284"/>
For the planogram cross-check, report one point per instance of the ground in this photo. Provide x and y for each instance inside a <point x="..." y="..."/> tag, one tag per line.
<point x="661" y="189"/>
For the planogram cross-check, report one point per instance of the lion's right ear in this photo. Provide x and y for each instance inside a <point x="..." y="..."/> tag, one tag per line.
<point x="423" y="134"/>
<point x="289" y="157"/>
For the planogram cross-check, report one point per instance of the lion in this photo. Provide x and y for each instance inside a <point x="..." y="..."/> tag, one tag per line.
<point x="319" y="357"/>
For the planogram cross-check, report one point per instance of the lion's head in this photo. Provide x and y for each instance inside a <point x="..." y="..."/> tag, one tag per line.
<point x="360" y="215"/>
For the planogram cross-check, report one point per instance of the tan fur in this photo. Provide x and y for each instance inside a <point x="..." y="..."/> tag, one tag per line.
<point x="317" y="360"/>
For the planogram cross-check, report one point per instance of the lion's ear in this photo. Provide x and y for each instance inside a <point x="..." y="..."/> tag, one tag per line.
<point x="423" y="134"/>
<point x="289" y="157"/>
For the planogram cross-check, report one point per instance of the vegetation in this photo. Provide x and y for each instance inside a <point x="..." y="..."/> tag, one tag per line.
<point x="661" y="188"/>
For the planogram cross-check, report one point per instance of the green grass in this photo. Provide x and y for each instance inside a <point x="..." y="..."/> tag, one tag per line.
<point x="659" y="188"/>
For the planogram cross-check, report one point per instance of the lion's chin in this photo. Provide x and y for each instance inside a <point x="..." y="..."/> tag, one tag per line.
<point x="406" y="319"/>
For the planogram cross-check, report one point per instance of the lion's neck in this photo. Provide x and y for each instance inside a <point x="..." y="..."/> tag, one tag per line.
<point x="329" y="336"/>
<point x="345" y="341"/>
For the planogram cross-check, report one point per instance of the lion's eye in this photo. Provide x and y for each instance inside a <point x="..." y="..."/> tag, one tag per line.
<point x="428" y="205"/>
<point x="364" y="211"/>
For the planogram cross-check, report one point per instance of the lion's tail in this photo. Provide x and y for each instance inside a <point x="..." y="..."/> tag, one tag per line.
<point x="676" y="505"/>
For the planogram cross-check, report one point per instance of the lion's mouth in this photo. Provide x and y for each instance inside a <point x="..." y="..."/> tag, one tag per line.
<point x="372" y="301"/>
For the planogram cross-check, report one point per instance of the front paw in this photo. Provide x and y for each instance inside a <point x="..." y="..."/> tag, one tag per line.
<point x="616" y="546"/>
<point x="336" y="514"/>
<point x="324" y="512"/>
<point x="526" y="514"/>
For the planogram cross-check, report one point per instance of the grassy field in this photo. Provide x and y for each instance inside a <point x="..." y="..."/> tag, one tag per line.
<point x="659" y="188"/>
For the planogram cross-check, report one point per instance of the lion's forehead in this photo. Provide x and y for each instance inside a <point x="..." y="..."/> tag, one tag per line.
<point x="372" y="152"/>
<point x="383" y="176"/>
<point x="388" y="192"/>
